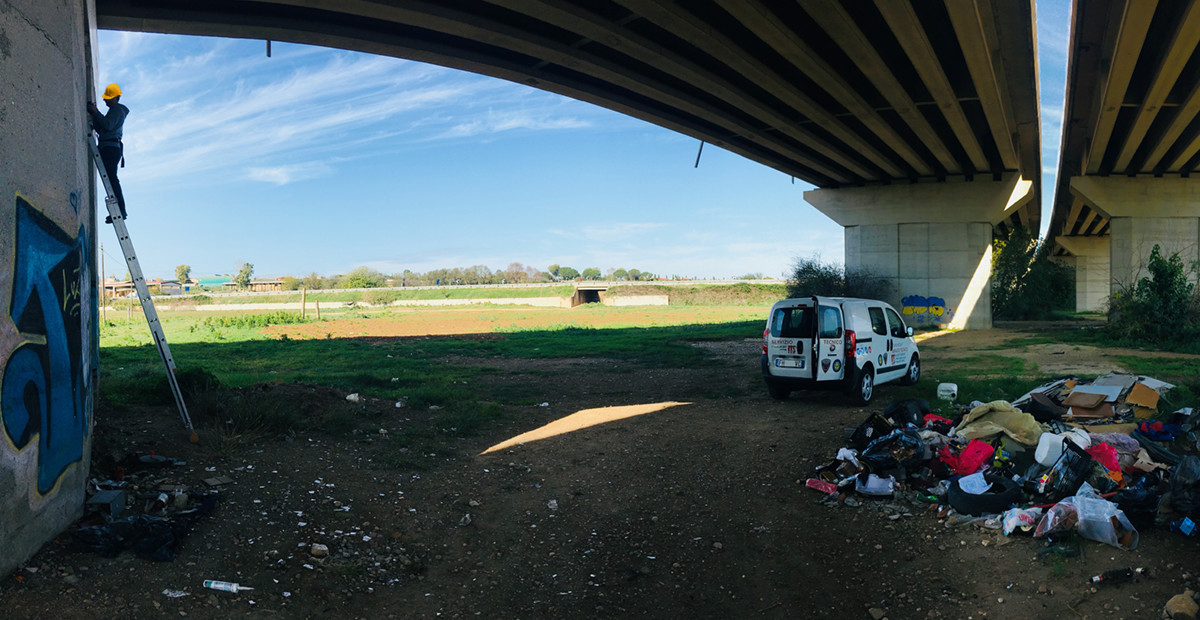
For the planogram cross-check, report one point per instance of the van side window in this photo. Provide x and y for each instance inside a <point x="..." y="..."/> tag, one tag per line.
<point x="793" y="323"/>
<point x="831" y="322"/>
<point x="898" y="328"/>
<point x="878" y="324"/>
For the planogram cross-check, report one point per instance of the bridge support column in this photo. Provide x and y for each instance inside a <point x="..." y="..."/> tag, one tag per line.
<point x="931" y="241"/>
<point x="1090" y="257"/>
<point x="1144" y="212"/>
<point x="48" y="284"/>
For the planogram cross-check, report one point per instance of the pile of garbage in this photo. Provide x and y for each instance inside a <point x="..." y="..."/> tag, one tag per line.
<point x="1098" y="459"/>
<point x="168" y="511"/>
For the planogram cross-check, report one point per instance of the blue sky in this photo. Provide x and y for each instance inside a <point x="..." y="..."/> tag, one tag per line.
<point x="322" y="160"/>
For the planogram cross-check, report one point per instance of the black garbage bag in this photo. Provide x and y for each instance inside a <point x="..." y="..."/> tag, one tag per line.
<point x="152" y="538"/>
<point x="907" y="411"/>
<point x="1069" y="472"/>
<point x="1002" y="494"/>
<point x="1139" y="501"/>
<point x="1185" y="486"/>
<point x="872" y="428"/>
<point x="900" y="448"/>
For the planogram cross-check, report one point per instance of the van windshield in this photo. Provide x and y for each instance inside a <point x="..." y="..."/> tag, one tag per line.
<point x="793" y="323"/>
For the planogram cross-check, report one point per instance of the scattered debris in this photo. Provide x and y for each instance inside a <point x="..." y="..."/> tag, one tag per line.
<point x="1071" y="457"/>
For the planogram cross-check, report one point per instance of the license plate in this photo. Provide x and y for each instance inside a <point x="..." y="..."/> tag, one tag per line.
<point x="789" y="363"/>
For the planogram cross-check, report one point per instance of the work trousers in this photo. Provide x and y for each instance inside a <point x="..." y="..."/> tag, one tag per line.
<point x="111" y="156"/>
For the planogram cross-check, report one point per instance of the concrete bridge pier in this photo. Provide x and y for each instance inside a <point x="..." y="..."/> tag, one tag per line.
<point x="1143" y="212"/>
<point x="48" y="284"/>
<point x="931" y="241"/>
<point x="1091" y="260"/>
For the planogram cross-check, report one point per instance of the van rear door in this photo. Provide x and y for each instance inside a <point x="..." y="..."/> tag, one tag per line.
<point x="790" y="338"/>
<point x="831" y="352"/>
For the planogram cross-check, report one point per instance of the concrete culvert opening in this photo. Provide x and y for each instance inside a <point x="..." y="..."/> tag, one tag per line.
<point x="587" y="296"/>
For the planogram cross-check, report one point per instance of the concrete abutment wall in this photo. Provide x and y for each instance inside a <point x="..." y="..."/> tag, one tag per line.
<point x="932" y="242"/>
<point x="1143" y="212"/>
<point x="48" y="288"/>
<point x="1093" y="272"/>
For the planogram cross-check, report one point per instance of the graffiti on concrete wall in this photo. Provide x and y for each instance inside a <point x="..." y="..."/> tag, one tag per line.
<point x="922" y="310"/>
<point x="45" y="392"/>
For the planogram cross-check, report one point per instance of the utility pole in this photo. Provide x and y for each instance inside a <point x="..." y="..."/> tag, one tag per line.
<point x="103" y="286"/>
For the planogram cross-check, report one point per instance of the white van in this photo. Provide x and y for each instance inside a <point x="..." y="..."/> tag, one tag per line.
<point x="837" y="342"/>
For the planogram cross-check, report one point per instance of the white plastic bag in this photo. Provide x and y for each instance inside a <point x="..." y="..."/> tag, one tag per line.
<point x="1095" y="518"/>
<point x="875" y="486"/>
<point x="1023" y="518"/>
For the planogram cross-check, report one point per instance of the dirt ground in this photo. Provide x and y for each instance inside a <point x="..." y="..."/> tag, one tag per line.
<point x="695" y="507"/>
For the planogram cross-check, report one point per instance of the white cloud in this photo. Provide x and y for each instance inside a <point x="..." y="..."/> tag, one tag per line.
<point x="495" y="122"/>
<point x="282" y="175"/>
<point x="203" y="107"/>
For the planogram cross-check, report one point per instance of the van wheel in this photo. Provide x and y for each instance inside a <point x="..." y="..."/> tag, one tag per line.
<point x="778" y="392"/>
<point x="864" y="388"/>
<point x="914" y="371"/>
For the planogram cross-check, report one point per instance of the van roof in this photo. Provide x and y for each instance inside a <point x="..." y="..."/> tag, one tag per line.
<point x="836" y="300"/>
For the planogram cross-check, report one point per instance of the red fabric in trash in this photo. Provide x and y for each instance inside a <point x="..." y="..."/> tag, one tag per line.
<point x="970" y="460"/>
<point x="933" y="417"/>
<point x="1106" y="455"/>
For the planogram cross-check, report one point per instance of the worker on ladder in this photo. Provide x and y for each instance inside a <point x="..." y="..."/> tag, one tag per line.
<point x="109" y="128"/>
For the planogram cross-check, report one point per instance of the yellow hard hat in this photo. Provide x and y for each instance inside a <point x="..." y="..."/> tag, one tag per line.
<point x="112" y="91"/>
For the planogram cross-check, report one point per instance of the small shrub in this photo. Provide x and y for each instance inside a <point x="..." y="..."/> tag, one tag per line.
<point x="252" y="321"/>
<point x="380" y="297"/>
<point x="1026" y="283"/>
<point x="810" y="277"/>
<point x="1160" y="308"/>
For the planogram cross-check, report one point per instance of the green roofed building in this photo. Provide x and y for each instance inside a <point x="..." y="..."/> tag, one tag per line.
<point x="216" y="282"/>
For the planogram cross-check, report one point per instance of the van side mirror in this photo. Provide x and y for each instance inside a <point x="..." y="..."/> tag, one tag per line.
<point x="910" y="332"/>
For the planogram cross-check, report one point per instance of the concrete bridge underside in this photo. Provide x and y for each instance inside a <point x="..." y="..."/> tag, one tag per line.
<point x="1131" y="143"/>
<point x="845" y="96"/>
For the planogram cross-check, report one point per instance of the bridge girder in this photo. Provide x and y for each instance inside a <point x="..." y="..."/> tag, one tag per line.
<point x="834" y="93"/>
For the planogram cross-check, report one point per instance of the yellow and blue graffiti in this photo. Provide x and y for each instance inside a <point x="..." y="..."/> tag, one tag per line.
<point x="926" y="310"/>
<point x="45" y="396"/>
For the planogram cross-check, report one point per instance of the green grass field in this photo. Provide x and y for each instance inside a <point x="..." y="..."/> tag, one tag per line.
<point x="222" y="358"/>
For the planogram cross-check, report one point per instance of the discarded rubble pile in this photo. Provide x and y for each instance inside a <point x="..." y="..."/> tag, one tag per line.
<point x="1098" y="459"/>
<point x="168" y="511"/>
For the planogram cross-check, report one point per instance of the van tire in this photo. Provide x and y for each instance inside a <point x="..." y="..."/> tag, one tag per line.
<point x="778" y="392"/>
<point x="864" y="385"/>
<point x="913" y="374"/>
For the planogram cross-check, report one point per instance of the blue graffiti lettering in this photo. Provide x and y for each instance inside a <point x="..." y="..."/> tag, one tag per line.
<point x="44" y="390"/>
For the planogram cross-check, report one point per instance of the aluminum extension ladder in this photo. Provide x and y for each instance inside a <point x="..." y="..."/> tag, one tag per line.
<point x="139" y="283"/>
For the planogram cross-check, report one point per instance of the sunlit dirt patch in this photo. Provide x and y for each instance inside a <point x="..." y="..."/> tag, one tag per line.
<point x="581" y="420"/>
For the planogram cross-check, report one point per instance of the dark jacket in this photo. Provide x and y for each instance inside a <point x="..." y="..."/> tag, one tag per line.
<point x="110" y="126"/>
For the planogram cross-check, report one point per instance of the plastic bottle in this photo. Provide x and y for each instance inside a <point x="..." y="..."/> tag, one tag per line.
<point x="1119" y="575"/>
<point x="225" y="586"/>
<point x="1185" y="526"/>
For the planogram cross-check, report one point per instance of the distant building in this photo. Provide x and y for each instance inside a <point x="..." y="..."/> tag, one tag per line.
<point x="267" y="286"/>
<point x="213" y="282"/>
<point x="114" y="288"/>
<point x="257" y="286"/>
<point x="171" y="287"/>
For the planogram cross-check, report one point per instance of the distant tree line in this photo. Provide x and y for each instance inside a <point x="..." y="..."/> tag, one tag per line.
<point x="515" y="273"/>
